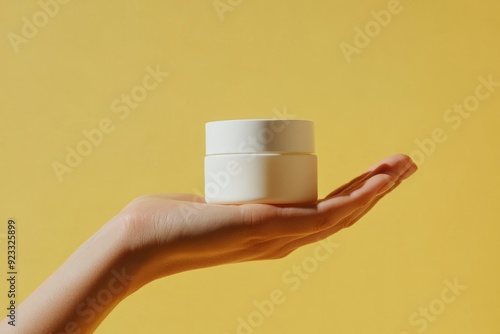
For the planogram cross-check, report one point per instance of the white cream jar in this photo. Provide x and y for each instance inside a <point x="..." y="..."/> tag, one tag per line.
<point x="260" y="161"/>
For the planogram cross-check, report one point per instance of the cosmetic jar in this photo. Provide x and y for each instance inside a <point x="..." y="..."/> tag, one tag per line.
<point x="268" y="161"/>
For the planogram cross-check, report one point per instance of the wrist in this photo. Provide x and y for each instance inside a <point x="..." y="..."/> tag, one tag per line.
<point x="129" y="259"/>
<point x="148" y="255"/>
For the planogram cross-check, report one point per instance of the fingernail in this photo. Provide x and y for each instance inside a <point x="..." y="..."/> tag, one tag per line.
<point x="412" y="169"/>
<point x="386" y="187"/>
<point x="405" y="167"/>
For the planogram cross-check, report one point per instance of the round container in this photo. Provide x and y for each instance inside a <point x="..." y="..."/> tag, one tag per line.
<point x="260" y="161"/>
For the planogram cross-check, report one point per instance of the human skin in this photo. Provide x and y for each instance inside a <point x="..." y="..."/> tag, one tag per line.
<point x="155" y="236"/>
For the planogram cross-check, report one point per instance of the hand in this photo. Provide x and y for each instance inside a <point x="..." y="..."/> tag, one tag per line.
<point x="178" y="232"/>
<point x="160" y="235"/>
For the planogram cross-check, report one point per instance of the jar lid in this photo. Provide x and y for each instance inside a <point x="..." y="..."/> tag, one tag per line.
<point x="259" y="136"/>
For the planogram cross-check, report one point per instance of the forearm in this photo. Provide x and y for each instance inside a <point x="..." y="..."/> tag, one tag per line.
<point x="79" y="295"/>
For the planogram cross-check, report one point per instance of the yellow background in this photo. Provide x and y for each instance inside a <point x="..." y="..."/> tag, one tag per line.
<point x="443" y="224"/>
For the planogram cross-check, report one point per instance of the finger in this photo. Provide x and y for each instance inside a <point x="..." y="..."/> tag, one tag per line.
<point x="357" y="216"/>
<point x="351" y="184"/>
<point x="344" y="223"/>
<point x="399" y="172"/>
<point x="343" y="204"/>
<point x="293" y="243"/>
<point x="394" y="166"/>
<point x="399" y="161"/>
<point x="295" y="231"/>
<point x="300" y="221"/>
